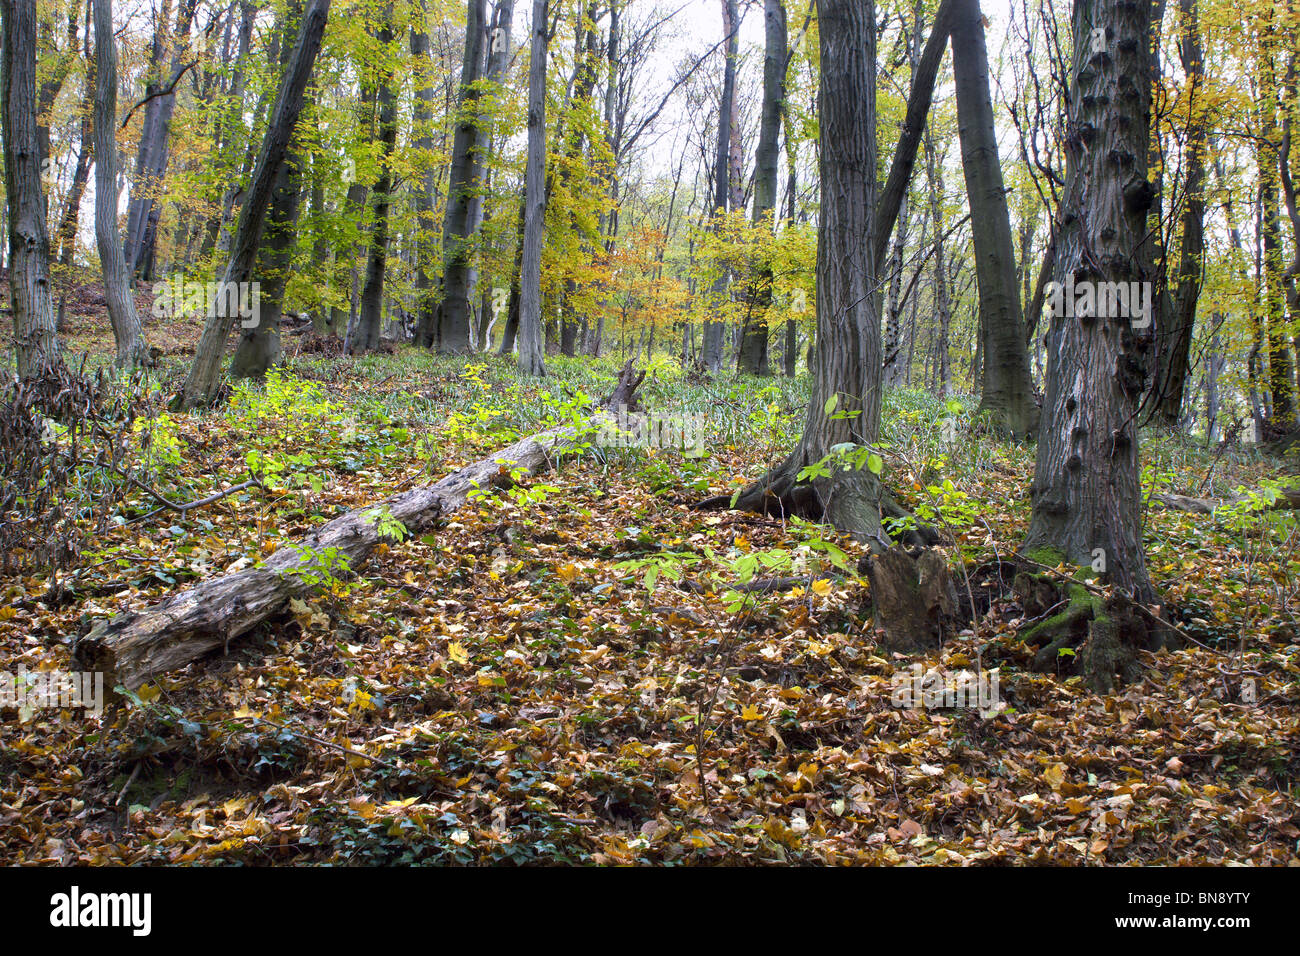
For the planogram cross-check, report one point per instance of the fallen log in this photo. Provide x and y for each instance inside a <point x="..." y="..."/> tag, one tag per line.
<point x="1288" y="499"/>
<point x="134" y="646"/>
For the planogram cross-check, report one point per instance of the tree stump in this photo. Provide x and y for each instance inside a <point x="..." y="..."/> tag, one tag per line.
<point x="914" y="598"/>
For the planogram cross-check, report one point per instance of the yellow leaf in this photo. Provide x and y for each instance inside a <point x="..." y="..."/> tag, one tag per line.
<point x="751" y="713"/>
<point x="821" y="587"/>
<point x="1055" y="775"/>
<point x="457" y="653"/>
<point x="568" y="573"/>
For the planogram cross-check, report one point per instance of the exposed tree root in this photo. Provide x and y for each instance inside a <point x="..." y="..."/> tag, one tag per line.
<point x="1076" y="619"/>
<point x="778" y="494"/>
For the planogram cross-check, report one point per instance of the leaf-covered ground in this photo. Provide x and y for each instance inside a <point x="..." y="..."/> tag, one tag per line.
<point x="530" y="684"/>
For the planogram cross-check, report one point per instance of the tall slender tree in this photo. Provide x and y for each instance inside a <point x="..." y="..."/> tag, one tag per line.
<point x="531" y="361"/>
<point x="1008" y="390"/>
<point x="453" y="333"/>
<point x="131" y="346"/>
<point x="369" y="320"/>
<point x="752" y="356"/>
<point x="202" y="383"/>
<point x="714" y="328"/>
<point x="36" y="346"/>
<point x="844" y="410"/>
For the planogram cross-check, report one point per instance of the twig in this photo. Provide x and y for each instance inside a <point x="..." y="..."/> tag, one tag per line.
<point x="129" y="780"/>
<point x="323" y="743"/>
<point x="1137" y="604"/>
<point x="170" y="89"/>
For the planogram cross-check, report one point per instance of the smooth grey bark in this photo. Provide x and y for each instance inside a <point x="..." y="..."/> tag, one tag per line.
<point x="204" y="377"/>
<point x="1087" y="492"/>
<point x="422" y="120"/>
<point x="529" y="336"/>
<point x="36" y="345"/>
<point x="152" y="152"/>
<point x="131" y="346"/>
<point x="370" y="317"/>
<point x="714" y="328"/>
<point x="498" y="57"/>
<point x="1007" y="389"/>
<point x="258" y="348"/>
<point x="919" y="98"/>
<point x="453" y="332"/>
<point x="752" y="356"/>
<point x="942" y="305"/>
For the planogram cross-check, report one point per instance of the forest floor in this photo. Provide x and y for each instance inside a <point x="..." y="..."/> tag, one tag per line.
<point x="529" y="682"/>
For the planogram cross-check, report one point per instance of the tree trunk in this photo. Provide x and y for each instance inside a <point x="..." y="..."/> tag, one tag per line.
<point x="845" y="403"/>
<point x="152" y="155"/>
<point x="201" y="384"/>
<point x="353" y="204"/>
<point x="369" y="322"/>
<point x="466" y="169"/>
<point x="36" y="346"/>
<point x="752" y="355"/>
<point x="422" y="120"/>
<point x="259" y="346"/>
<point x="1008" y="391"/>
<point x="714" y="328"/>
<point x="498" y="56"/>
<point x="131" y="346"/>
<point x="1174" y="344"/>
<point x="66" y="236"/>
<point x="942" y="306"/>
<point x="914" y="124"/>
<point x="531" y="360"/>
<point x="1087" y="492"/>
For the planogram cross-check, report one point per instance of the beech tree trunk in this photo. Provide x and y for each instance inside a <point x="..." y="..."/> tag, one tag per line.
<point x="1008" y="390"/>
<point x="201" y="384"/>
<point x="370" y="319"/>
<point x="752" y="356"/>
<point x="453" y="334"/>
<point x="529" y="336"/>
<point x="914" y="124"/>
<point x="131" y="346"/>
<point x="714" y="328"/>
<point x="422" y="120"/>
<point x="942" y="305"/>
<point x="36" y="346"/>
<point x="152" y="154"/>
<point x="259" y="347"/>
